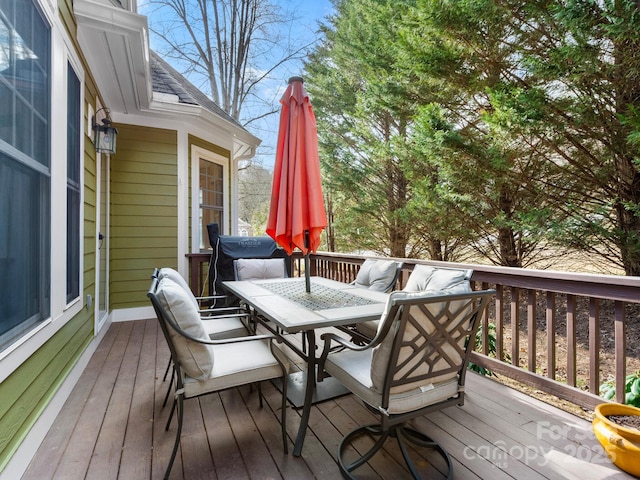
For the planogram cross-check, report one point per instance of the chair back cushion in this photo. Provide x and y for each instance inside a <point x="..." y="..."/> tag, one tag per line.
<point x="196" y="359"/>
<point x="425" y="278"/>
<point x="167" y="272"/>
<point x="259" y="268"/>
<point x="433" y="338"/>
<point x="379" y="275"/>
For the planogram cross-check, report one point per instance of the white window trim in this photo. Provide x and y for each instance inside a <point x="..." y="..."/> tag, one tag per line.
<point x="198" y="153"/>
<point x="62" y="55"/>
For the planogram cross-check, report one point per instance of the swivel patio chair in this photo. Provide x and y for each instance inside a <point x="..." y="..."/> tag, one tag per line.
<point x="424" y="278"/>
<point x="205" y="366"/>
<point x="415" y="364"/>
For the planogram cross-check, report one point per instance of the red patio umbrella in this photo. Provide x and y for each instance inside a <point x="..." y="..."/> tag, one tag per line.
<point x="296" y="215"/>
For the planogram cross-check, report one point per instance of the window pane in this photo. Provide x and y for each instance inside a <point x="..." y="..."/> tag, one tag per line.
<point x="24" y="78"/>
<point x="25" y="215"/>
<point x="73" y="185"/>
<point x="24" y="247"/>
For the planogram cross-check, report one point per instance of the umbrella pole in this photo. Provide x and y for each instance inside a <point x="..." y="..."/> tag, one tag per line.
<point x="307" y="273"/>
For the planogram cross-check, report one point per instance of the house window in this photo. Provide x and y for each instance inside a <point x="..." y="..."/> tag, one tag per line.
<point x="211" y="197"/>
<point x="25" y="170"/>
<point x="73" y="184"/>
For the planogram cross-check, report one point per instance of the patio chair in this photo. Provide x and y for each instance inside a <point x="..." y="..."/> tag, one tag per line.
<point x="425" y="278"/>
<point x="415" y="364"/>
<point x="205" y="366"/>
<point x="219" y="323"/>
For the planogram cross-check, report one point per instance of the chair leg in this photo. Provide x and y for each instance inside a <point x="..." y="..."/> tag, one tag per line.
<point x="406" y="434"/>
<point x="403" y="436"/>
<point x="180" y="403"/>
<point x="371" y="430"/>
<point x="173" y="409"/>
<point x="167" y="370"/>
<point x="166" y="397"/>
<point x="283" y="420"/>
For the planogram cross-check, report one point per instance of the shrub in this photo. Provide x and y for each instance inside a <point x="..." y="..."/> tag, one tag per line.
<point x="491" y="350"/>
<point x="631" y="389"/>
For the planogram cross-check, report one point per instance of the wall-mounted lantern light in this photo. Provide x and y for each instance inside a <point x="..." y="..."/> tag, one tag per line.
<point x="104" y="139"/>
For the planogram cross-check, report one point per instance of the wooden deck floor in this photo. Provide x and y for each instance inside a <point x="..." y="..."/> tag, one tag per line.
<point x="112" y="427"/>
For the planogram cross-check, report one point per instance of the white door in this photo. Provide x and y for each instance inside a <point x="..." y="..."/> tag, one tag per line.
<point x="102" y="244"/>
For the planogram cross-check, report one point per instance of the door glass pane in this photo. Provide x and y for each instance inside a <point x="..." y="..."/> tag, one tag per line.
<point x="211" y="198"/>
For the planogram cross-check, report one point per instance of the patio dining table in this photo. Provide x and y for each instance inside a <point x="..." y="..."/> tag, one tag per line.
<point x="287" y="304"/>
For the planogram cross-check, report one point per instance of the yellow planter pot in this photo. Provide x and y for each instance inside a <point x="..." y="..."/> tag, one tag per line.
<point x="621" y="444"/>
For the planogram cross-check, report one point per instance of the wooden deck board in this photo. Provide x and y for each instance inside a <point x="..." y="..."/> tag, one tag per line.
<point x="113" y="426"/>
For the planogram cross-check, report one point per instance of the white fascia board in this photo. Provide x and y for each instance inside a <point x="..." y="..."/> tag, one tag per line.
<point x="116" y="45"/>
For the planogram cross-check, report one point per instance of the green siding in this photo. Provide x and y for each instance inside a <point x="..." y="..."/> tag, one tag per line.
<point x="144" y="211"/>
<point x="25" y="394"/>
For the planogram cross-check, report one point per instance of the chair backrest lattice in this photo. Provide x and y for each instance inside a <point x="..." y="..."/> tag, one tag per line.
<point x="425" y="340"/>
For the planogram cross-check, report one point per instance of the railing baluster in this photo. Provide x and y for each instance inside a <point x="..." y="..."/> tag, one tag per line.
<point x="500" y="322"/>
<point x="551" y="335"/>
<point x="594" y="345"/>
<point x="515" y="324"/>
<point x="621" y="351"/>
<point x="531" y="330"/>
<point x="485" y="325"/>
<point x="571" y="340"/>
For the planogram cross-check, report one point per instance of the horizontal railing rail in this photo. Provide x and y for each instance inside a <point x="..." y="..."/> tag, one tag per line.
<point x="555" y="331"/>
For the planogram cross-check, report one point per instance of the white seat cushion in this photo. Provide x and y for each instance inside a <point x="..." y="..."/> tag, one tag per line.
<point x="245" y="362"/>
<point x="259" y="268"/>
<point x="195" y="358"/>
<point x="352" y="369"/>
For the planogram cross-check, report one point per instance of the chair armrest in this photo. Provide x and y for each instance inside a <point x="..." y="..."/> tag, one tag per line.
<point x="206" y="341"/>
<point x="212" y="297"/>
<point x="343" y="342"/>
<point x="220" y="317"/>
<point x="223" y="311"/>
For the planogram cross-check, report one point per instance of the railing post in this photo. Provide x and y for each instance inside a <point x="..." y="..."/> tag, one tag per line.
<point x="500" y="322"/>
<point x="531" y="330"/>
<point x="515" y="324"/>
<point x="485" y="325"/>
<point x="551" y="335"/>
<point x="594" y="345"/>
<point x="571" y="340"/>
<point x="621" y="351"/>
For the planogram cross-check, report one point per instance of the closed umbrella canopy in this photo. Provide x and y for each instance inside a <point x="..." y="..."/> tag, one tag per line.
<point x="297" y="216"/>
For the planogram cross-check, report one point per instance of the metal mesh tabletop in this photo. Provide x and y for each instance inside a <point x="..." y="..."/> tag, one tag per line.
<point x="320" y="297"/>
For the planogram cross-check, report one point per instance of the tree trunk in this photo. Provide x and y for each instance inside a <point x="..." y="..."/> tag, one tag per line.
<point x="509" y="255"/>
